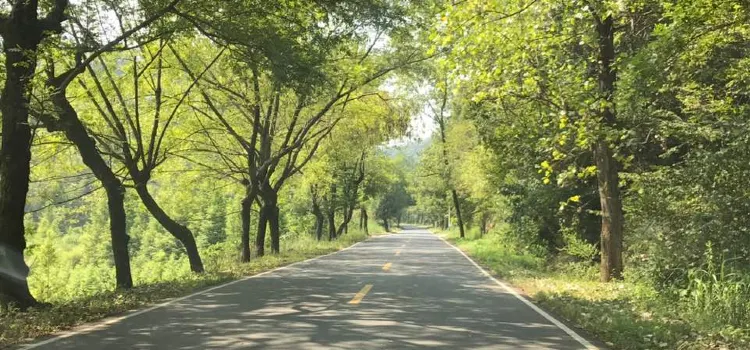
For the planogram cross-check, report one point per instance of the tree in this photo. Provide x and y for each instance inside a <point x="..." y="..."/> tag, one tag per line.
<point x="139" y="121"/>
<point x="66" y="119"/>
<point x="393" y="203"/>
<point x="22" y="31"/>
<point x="544" y="48"/>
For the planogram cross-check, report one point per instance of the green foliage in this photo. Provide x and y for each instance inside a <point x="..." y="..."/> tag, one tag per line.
<point x="526" y="104"/>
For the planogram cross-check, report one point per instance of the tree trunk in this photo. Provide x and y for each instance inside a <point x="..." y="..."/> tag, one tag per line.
<point x="385" y="225"/>
<point x="247" y="205"/>
<point x="459" y="218"/>
<point x="15" y="158"/>
<point x="271" y="213"/>
<point x="348" y="214"/>
<point x="446" y="162"/>
<point x="318" y="213"/>
<point x="260" y="237"/>
<point x="273" y="224"/>
<point x="180" y="232"/>
<point x="118" y="232"/>
<point x="331" y="224"/>
<point x="21" y="38"/>
<point x="76" y="132"/>
<point x="319" y="222"/>
<point x="364" y="215"/>
<point x="608" y="179"/>
<point x="361" y="219"/>
<point x="612" y="215"/>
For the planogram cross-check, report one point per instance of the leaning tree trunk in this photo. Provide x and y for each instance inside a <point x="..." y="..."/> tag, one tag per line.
<point x="179" y="231"/>
<point x="76" y="132"/>
<point x="608" y="179"/>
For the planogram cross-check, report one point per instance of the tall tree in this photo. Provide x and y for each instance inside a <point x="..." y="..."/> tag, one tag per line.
<point x="139" y="117"/>
<point x="66" y="119"/>
<point x="569" y="77"/>
<point x="22" y="31"/>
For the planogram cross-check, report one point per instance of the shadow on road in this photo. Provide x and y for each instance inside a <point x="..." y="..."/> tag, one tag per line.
<point x="431" y="298"/>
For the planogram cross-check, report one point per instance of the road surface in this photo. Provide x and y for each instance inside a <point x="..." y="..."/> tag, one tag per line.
<point x="402" y="291"/>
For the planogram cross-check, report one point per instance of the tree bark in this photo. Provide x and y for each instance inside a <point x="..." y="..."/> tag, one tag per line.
<point x="454" y="194"/>
<point x="319" y="222"/>
<point x="271" y="212"/>
<point x="76" y="132"/>
<point x="459" y="218"/>
<point x="348" y="214"/>
<point x="364" y="220"/>
<point x="612" y="216"/>
<point x="317" y="212"/>
<point x="247" y="205"/>
<point x="385" y="225"/>
<point x="273" y="225"/>
<point x="331" y="224"/>
<point x="21" y="31"/>
<point x="260" y="237"/>
<point x="361" y="219"/>
<point x="15" y="158"/>
<point x="331" y="213"/>
<point x="607" y="166"/>
<point x="179" y="231"/>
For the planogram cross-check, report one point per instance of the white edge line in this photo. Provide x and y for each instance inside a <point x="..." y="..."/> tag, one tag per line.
<point x="528" y="303"/>
<point x="108" y="322"/>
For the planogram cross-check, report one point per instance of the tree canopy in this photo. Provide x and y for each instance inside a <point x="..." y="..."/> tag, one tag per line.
<point x="150" y="141"/>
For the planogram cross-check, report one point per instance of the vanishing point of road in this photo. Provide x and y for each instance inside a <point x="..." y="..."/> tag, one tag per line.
<point x="403" y="291"/>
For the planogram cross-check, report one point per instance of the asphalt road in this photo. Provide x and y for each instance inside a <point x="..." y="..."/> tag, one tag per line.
<point x="402" y="291"/>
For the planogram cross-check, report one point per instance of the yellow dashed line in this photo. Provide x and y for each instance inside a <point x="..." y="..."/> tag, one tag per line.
<point x="357" y="298"/>
<point x="387" y="267"/>
<point x="398" y="252"/>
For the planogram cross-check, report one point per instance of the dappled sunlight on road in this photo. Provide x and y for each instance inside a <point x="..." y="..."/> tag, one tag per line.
<point x="430" y="297"/>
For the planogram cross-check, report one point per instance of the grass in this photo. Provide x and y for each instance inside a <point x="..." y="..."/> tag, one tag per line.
<point x="17" y="327"/>
<point x="624" y="315"/>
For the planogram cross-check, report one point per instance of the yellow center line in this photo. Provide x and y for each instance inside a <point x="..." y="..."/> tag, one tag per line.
<point x="398" y="252"/>
<point x="387" y="267"/>
<point x="357" y="298"/>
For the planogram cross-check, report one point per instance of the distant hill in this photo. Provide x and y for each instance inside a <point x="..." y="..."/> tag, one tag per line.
<point x="410" y="149"/>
